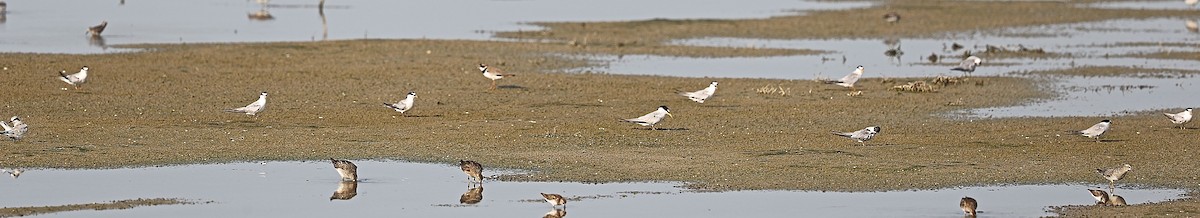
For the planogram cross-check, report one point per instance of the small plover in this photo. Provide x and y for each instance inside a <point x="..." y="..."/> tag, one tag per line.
<point x="1096" y="130"/>
<point x="403" y="105"/>
<point x="968" y="205"/>
<point x="862" y="136"/>
<point x="554" y="199"/>
<point x="652" y="118"/>
<point x="492" y="74"/>
<point x="848" y="80"/>
<point x="473" y="169"/>
<point x="1100" y="195"/>
<point x="16" y="130"/>
<point x="891" y="17"/>
<point x="1114" y="174"/>
<point x="703" y="94"/>
<point x="473" y="196"/>
<point x="95" y="31"/>
<point x="76" y="79"/>
<point x="346" y="169"/>
<point x="1116" y="200"/>
<point x="1180" y="118"/>
<point x="254" y="108"/>
<point x="345" y="191"/>
<point x="968" y="65"/>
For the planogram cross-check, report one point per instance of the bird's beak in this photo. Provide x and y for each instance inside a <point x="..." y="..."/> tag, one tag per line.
<point x="669" y="114"/>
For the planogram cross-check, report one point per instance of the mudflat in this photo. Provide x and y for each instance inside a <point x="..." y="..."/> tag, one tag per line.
<point x="163" y="106"/>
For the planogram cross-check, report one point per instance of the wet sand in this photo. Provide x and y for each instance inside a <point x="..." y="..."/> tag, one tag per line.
<point x="114" y="205"/>
<point x="163" y="107"/>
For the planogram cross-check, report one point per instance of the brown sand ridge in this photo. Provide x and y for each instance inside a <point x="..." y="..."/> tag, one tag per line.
<point x="163" y="107"/>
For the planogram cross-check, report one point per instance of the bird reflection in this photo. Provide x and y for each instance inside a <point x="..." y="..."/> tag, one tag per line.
<point x="893" y="51"/>
<point x="3" y="11"/>
<point x="1116" y="200"/>
<point x="472" y="196"/>
<point x="14" y="172"/>
<point x="261" y="15"/>
<point x="345" y="191"/>
<point x="97" y="41"/>
<point x="556" y="213"/>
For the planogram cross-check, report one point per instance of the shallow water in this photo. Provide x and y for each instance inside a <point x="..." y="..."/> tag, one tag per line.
<point x="1082" y="44"/>
<point x="1156" y="5"/>
<point x="390" y="188"/>
<point x="58" y="26"/>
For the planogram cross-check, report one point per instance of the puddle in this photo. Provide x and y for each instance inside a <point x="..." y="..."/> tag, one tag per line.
<point x="1155" y="5"/>
<point x="304" y="189"/>
<point x="1082" y="44"/>
<point x="58" y="26"/>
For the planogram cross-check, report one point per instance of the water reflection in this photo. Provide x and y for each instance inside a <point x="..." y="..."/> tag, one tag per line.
<point x="97" y="41"/>
<point x="345" y="191"/>
<point x="472" y="196"/>
<point x="556" y="213"/>
<point x="300" y="189"/>
<point x="217" y="20"/>
<point x="261" y="15"/>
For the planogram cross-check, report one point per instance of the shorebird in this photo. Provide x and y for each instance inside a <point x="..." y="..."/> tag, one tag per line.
<point x="3" y="7"/>
<point x="891" y="17"/>
<point x="1096" y="130"/>
<point x="968" y="205"/>
<point x="556" y="213"/>
<point x="403" y="105"/>
<point x="345" y="191"/>
<point x="95" y="31"/>
<point x="1190" y="2"/>
<point x="487" y="72"/>
<point x="14" y="173"/>
<point x="473" y="169"/>
<point x="968" y="65"/>
<point x="346" y="169"/>
<point x="16" y="130"/>
<point x="76" y="79"/>
<point x="1100" y="196"/>
<point x="1116" y="200"/>
<point x="862" y="136"/>
<point x="652" y="118"/>
<point x="1181" y="117"/>
<point x="1114" y="174"/>
<point x="254" y="108"/>
<point x="703" y="94"/>
<point x="849" y="80"/>
<point x="472" y="196"/>
<point x="555" y="199"/>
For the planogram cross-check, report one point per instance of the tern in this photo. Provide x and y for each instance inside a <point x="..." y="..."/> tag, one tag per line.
<point x="652" y="118"/>
<point x="76" y="79"/>
<point x="1180" y="118"/>
<point x="14" y="130"/>
<point x="403" y="105"/>
<point x="862" y="136"/>
<point x="849" y="80"/>
<point x="253" y="108"/>
<point x="1096" y="130"/>
<point x="703" y="94"/>
<point x="968" y="65"/>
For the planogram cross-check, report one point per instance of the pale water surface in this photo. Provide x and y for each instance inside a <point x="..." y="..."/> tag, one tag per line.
<point x="392" y="188"/>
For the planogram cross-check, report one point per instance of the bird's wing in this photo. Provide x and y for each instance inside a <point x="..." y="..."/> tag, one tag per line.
<point x="6" y="127"/>
<point x="850" y="78"/>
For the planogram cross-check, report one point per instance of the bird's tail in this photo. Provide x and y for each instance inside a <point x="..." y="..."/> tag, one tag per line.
<point x="389" y="105"/>
<point x="1171" y="116"/>
<point x="233" y="110"/>
<point x="839" y="133"/>
<point x="830" y="81"/>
